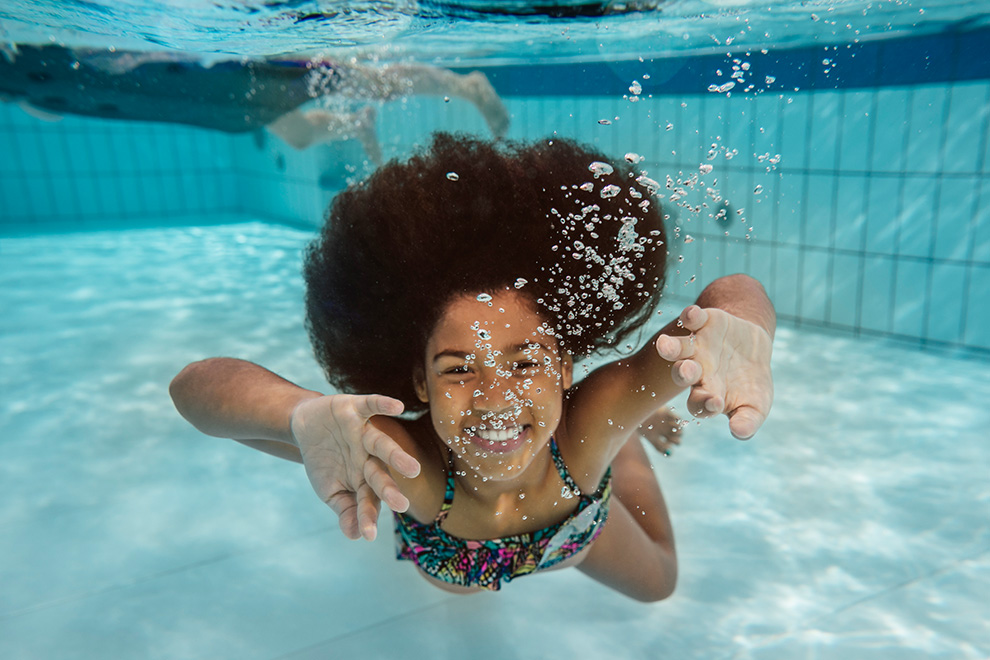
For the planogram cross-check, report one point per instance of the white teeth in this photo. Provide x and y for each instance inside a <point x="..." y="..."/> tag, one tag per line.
<point x="498" y="435"/>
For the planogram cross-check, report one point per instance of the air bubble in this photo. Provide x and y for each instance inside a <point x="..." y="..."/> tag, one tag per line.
<point x="633" y="158"/>
<point x="652" y="186"/>
<point x="600" y="169"/>
<point x="610" y="191"/>
<point x="521" y="282"/>
<point x="484" y="297"/>
<point x="587" y="187"/>
<point x="705" y="168"/>
<point x="453" y="176"/>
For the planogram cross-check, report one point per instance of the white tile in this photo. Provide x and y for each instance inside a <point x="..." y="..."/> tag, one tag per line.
<point x="890" y="127"/>
<point x="783" y="288"/>
<point x="824" y="130"/>
<point x="760" y="263"/>
<point x="955" y="219"/>
<point x="855" y="131"/>
<point x="794" y="136"/>
<point x="878" y="294"/>
<point x="736" y="188"/>
<point x="58" y="160"/>
<point x="814" y="294"/>
<point x="16" y="201"/>
<point x="844" y="290"/>
<point x="765" y="119"/>
<point x="969" y="112"/>
<point x="945" y="311"/>
<point x="977" y="330"/>
<point x="691" y="145"/>
<point x="28" y="153"/>
<point x="881" y="216"/>
<point x="850" y="213"/>
<point x="926" y="129"/>
<point x="917" y="216"/>
<point x="909" y="298"/>
<point x="819" y="210"/>
<point x="41" y="196"/>
<point x="738" y="115"/>
<point x="981" y="237"/>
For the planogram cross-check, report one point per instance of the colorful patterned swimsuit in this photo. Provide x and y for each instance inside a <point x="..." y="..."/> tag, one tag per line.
<point x="488" y="563"/>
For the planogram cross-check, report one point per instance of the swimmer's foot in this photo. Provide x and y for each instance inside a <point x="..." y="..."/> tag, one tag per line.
<point x="663" y="430"/>
<point x="478" y="90"/>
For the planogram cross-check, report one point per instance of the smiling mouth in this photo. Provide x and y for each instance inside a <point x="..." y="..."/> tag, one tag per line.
<point x="498" y="440"/>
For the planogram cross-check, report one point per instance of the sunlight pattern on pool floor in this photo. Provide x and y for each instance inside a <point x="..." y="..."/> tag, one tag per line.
<point x="855" y="525"/>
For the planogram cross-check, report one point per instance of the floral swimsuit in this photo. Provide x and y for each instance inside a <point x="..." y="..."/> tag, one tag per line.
<point x="487" y="563"/>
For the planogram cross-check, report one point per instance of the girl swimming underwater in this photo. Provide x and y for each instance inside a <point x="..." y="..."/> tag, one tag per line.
<point x="463" y="287"/>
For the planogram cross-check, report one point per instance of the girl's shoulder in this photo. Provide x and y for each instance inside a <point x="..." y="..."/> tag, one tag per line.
<point x="425" y="491"/>
<point x="586" y="458"/>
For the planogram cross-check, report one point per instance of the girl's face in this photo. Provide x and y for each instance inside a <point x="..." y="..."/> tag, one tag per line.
<point x="494" y="379"/>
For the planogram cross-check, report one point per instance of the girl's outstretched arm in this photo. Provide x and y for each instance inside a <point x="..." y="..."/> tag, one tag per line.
<point x="347" y="458"/>
<point x="722" y="352"/>
<point x="230" y="398"/>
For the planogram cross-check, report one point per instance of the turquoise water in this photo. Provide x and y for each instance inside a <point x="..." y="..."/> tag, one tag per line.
<point x="857" y="187"/>
<point x="853" y="525"/>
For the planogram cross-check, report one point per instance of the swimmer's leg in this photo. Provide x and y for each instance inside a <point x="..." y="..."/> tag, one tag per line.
<point x="303" y="128"/>
<point x="635" y="552"/>
<point x="397" y="80"/>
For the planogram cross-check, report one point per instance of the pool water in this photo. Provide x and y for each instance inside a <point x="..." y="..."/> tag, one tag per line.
<point x="853" y="526"/>
<point x="851" y="158"/>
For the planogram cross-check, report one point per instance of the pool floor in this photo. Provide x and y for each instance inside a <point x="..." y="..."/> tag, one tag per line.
<point x="855" y="525"/>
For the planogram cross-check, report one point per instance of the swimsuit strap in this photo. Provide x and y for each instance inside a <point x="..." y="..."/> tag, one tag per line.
<point x="558" y="460"/>
<point x="448" y="495"/>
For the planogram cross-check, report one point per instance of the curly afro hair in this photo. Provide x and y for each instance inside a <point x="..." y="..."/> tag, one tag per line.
<point x="580" y="236"/>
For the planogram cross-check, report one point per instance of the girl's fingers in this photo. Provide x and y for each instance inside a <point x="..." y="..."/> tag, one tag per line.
<point x="368" y="507"/>
<point x="383" y="447"/>
<point x="702" y="403"/>
<point x="377" y="476"/>
<point x="673" y="349"/>
<point x="745" y="421"/>
<point x="377" y="404"/>
<point x="694" y="318"/>
<point x="686" y="373"/>
<point x="345" y="506"/>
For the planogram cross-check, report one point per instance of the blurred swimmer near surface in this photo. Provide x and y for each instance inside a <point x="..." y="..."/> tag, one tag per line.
<point x="234" y="96"/>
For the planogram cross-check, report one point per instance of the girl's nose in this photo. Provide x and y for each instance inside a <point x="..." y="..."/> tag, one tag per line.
<point x="492" y="395"/>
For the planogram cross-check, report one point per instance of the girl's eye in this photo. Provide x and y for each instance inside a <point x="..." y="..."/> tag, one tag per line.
<point x="525" y="365"/>
<point x="457" y="370"/>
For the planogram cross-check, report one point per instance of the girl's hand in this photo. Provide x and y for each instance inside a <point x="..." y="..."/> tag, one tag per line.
<point x="347" y="459"/>
<point x="726" y="363"/>
<point x="662" y="429"/>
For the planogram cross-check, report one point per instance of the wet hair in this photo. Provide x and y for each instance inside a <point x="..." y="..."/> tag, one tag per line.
<point x="581" y="237"/>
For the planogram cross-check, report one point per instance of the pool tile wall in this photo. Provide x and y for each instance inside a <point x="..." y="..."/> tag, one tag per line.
<point x="85" y="173"/>
<point x="875" y="219"/>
